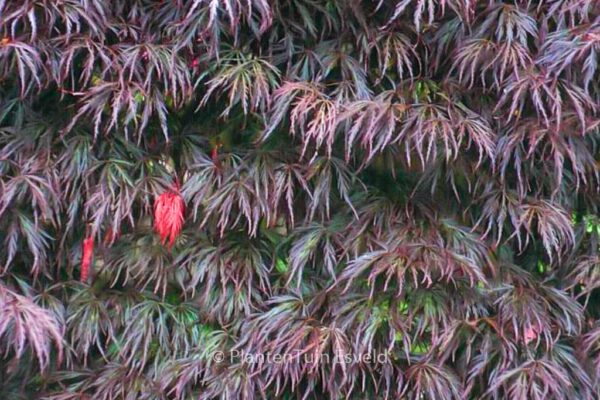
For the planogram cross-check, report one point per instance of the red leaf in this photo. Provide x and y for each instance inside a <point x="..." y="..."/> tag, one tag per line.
<point x="168" y="216"/>
<point x="86" y="258"/>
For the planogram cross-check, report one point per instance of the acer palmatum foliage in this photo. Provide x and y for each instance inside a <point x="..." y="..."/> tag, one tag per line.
<point x="169" y="210"/>
<point x="87" y="255"/>
<point x="401" y="194"/>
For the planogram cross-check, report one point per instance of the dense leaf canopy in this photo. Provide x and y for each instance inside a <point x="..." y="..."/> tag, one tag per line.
<point x="400" y="195"/>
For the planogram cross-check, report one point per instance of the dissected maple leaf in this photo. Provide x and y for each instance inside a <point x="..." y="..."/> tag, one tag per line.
<point x="86" y="258"/>
<point x="168" y="216"/>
